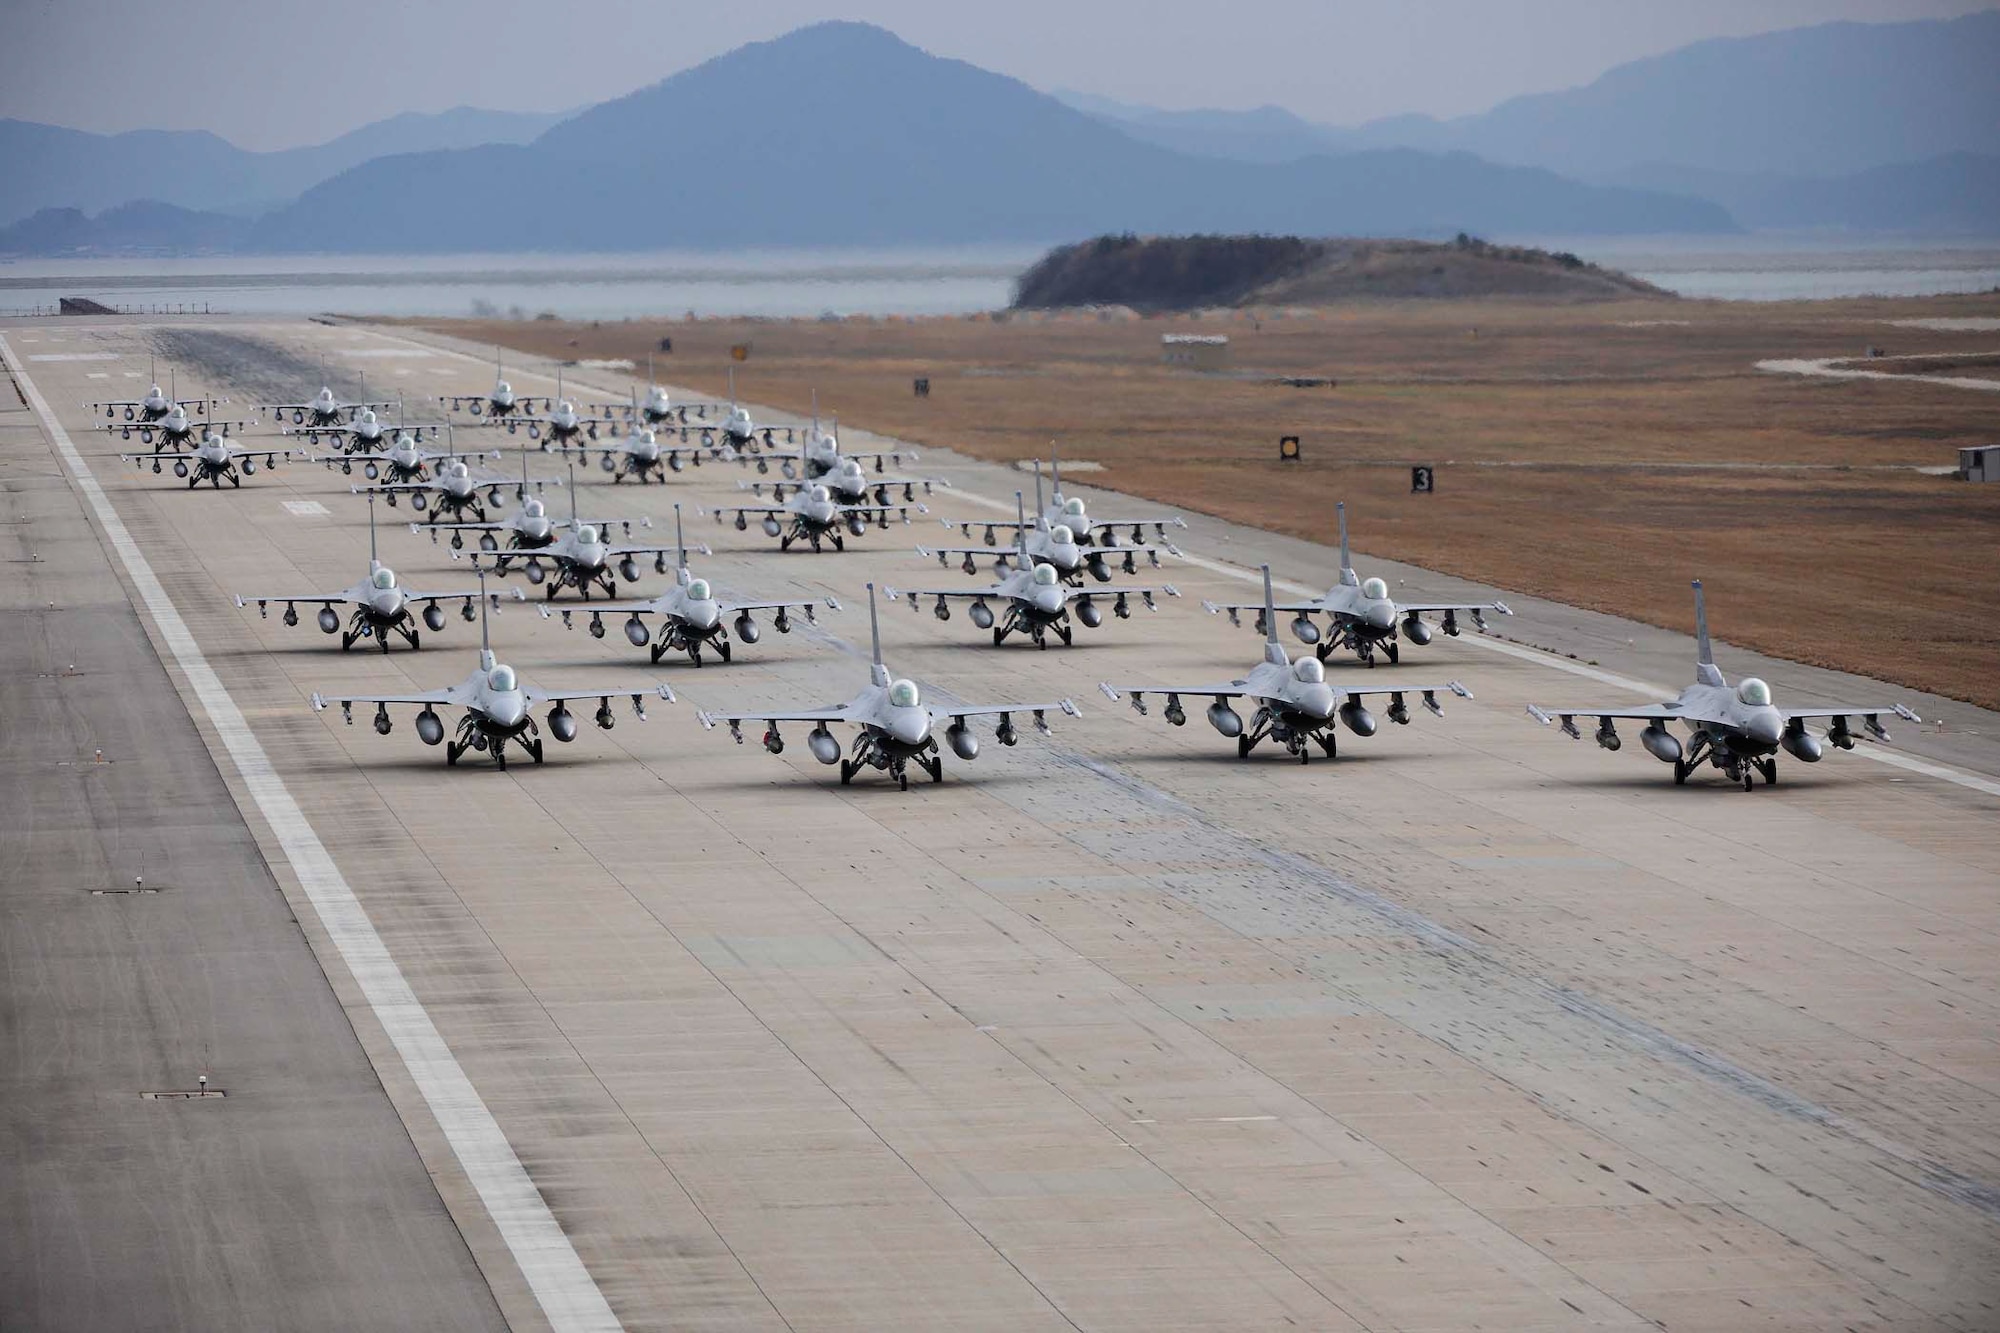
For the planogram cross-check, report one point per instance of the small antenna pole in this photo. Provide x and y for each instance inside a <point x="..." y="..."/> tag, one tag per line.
<point x="372" y="561"/>
<point x="485" y="639"/>
<point x="680" y="546"/>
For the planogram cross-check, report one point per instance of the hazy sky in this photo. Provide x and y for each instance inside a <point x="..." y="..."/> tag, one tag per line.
<point x="276" y="73"/>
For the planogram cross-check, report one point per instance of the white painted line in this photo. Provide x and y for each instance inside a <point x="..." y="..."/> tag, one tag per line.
<point x="133" y="375"/>
<point x="1229" y="1119"/>
<point x="74" y="356"/>
<point x="307" y="509"/>
<point x="98" y="375"/>
<point x="569" y="1297"/>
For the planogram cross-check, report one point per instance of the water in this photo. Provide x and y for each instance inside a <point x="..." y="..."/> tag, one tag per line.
<point x="939" y="281"/>
<point x="1794" y="268"/>
<point x="775" y="283"/>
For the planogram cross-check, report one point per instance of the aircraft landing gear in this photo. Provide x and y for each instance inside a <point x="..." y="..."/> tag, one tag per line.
<point x="1681" y="770"/>
<point x="1328" y="743"/>
<point x="534" y="749"/>
<point x="1769" y="768"/>
<point x="839" y="542"/>
<point x="1393" y="650"/>
<point x="1064" y="633"/>
<point x="934" y="765"/>
<point x="848" y="768"/>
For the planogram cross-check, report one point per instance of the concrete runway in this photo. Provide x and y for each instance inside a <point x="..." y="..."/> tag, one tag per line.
<point x="1474" y="1027"/>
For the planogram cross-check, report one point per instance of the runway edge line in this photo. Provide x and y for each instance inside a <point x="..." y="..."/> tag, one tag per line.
<point x="563" y="1287"/>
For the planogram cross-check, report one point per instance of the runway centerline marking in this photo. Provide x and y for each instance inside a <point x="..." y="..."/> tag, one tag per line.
<point x="563" y="1287"/>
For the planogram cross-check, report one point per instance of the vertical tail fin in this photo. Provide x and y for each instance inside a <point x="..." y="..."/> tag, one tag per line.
<point x="1055" y="471"/>
<point x="372" y="558"/>
<point x="1348" y="578"/>
<point x="1270" y="611"/>
<point x="680" y="546"/>
<point x="1039" y="504"/>
<point x="815" y="433"/>
<point x="874" y="627"/>
<point x="1703" y="655"/>
<point x="573" y="521"/>
<point x="1021" y="532"/>
<point x="485" y="639"/>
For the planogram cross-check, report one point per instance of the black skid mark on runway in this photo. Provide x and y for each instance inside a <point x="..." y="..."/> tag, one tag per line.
<point x="258" y="371"/>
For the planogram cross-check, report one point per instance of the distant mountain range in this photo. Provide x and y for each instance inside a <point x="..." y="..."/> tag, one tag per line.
<point x="51" y="167"/>
<point x="1863" y="127"/>
<point x="842" y="134"/>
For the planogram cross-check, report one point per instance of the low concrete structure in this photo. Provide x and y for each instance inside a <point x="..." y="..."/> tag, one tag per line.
<point x="1979" y="463"/>
<point x="1196" y="351"/>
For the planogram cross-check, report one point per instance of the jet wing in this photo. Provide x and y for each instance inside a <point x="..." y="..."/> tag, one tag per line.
<point x="837" y="713"/>
<point x="1234" y="689"/>
<point x="312" y="598"/>
<point x="1235" y="610"/>
<point x="461" y="595"/>
<point x="1159" y="525"/>
<point x="1065" y="706"/>
<point x="638" y="697"/>
<point x="808" y="604"/>
<point x="1474" y="607"/>
<point x="461" y="693"/>
<point x="1666" y="712"/>
<point x="1853" y="710"/>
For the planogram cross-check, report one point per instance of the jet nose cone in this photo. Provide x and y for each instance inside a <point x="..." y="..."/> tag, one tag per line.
<point x="703" y="615"/>
<point x="821" y="511"/>
<point x="388" y="603"/>
<point x="1048" y="600"/>
<point x="507" y="709"/>
<point x="1316" y="700"/>
<point x="1764" y="727"/>
<point x="1382" y="615"/>
<point x="910" y="725"/>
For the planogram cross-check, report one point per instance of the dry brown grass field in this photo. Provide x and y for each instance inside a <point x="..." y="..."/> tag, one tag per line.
<point x="1598" y="454"/>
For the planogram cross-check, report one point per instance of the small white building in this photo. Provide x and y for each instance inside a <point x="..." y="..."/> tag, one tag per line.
<point x="1979" y="463"/>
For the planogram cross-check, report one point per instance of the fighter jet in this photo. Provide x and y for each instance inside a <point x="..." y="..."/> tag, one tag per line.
<point x="896" y="725"/>
<point x="176" y="429"/>
<point x="154" y="405"/>
<point x="453" y="491"/>
<point x="1361" y="614"/>
<point x="501" y="403"/>
<point x="325" y="409"/>
<point x="530" y="529"/>
<point x="214" y="460"/>
<point x="405" y="461"/>
<point x="1099" y="532"/>
<point x="820" y="454"/>
<point x="562" y="425"/>
<point x="656" y="410"/>
<point x="1295" y="705"/>
<point x="583" y="559"/>
<point x="1049" y="544"/>
<point x="381" y="604"/>
<point x="692" y="616"/>
<point x="811" y="514"/>
<point x="738" y="431"/>
<point x="849" y="485"/>
<point x="1737" y="730"/>
<point x="496" y="706"/>
<point x="640" y="454"/>
<point x="365" y="432"/>
<point x="1033" y="599"/>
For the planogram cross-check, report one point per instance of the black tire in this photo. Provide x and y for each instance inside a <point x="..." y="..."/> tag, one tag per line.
<point x="1244" y="745"/>
<point x="1394" y="651"/>
<point x="1681" y="769"/>
<point x="839" y="542"/>
<point x="846" y="771"/>
<point x="721" y="648"/>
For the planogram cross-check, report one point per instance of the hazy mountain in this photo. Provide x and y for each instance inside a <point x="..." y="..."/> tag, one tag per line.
<point x="841" y="134"/>
<point x="145" y="225"/>
<point x="1264" y="134"/>
<point x="52" y="167"/>
<point x="1956" y="194"/>
<point x="1844" y="126"/>
<point x="1822" y="101"/>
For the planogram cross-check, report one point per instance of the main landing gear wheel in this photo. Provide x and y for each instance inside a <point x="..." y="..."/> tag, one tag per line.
<point x="999" y="635"/>
<point x="1064" y="633"/>
<point x="934" y="766"/>
<point x="1769" y="768"/>
<point x="534" y="749"/>
<point x="1394" y="651"/>
<point x="848" y="768"/>
<point x="1681" y="770"/>
<point x="839" y="542"/>
<point x="1327" y="743"/>
<point x="721" y="647"/>
<point x="1244" y="745"/>
<point x="784" y="543"/>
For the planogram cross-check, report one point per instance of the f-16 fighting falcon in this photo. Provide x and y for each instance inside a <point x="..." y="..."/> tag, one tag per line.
<point x="583" y="559"/>
<point x="365" y="432"/>
<point x="324" y="409"/>
<point x="405" y="461"/>
<point x="1100" y="533"/>
<point x="1361" y="614"/>
<point x="811" y="514"/>
<point x="849" y="485"/>
<point x="176" y="429"/>
<point x="820" y="454"/>
<point x="381" y="604"/>
<point x="1049" y="544"/>
<point x="454" y="490"/>
<point x="214" y="460"/>
<point x="496" y="706"/>
<point x="563" y="425"/>
<point x="692" y="616"/>
<point x="739" y="432"/>
<point x="638" y="453"/>
<point x="655" y="410"/>
<point x="153" y="405"/>
<point x="1033" y="599"/>
<point x="1739" y="731"/>
<point x="896" y="725"/>
<point x="501" y="403"/>
<point x="1295" y="705"/>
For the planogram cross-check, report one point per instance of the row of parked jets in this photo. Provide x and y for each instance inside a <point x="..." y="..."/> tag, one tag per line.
<point x="1058" y="572"/>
